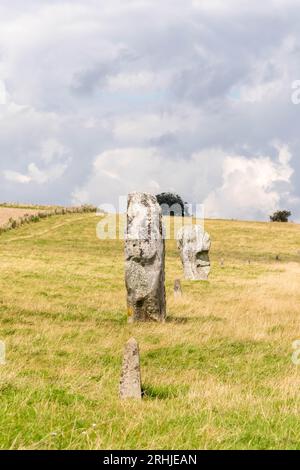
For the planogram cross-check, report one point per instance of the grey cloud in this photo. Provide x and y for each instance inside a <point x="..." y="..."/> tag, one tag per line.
<point x="144" y="74"/>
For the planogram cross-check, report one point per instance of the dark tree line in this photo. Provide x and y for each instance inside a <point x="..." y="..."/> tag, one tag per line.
<point x="172" y="204"/>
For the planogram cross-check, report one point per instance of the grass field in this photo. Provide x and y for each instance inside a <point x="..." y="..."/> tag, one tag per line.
<point x="218" y="374"/>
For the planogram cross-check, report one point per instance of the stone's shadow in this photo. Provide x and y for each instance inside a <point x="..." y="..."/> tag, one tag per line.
<point x="178" y="319"/>
<point x="200" y="319"/>
<point x="162" y="392"/>
<point x="123" y="320"/>
<point x="118" y="320"/>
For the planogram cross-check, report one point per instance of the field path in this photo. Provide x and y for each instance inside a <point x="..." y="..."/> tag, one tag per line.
<point x="36" y="234"/>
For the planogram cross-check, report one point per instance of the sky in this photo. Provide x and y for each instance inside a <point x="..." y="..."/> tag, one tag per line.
<point x="196" y="97"/>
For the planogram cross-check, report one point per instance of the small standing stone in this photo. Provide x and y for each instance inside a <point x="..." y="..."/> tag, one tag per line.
<point x="194" y="245"/>
<point x="177" y="289"/>
<point x="130" y="383"/>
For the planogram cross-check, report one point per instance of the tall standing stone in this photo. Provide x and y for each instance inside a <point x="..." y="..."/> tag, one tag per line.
<point x="194" y="245"/>
<point x="144" y="259"/>
<point x="130" y="383"/>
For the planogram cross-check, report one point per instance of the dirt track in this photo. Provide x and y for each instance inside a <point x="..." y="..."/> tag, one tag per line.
<point x="6" y="213"/>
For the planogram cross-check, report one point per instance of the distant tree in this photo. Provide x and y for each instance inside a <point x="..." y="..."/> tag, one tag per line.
<point x="171" y="204"/>
<point x="280" y="216"/>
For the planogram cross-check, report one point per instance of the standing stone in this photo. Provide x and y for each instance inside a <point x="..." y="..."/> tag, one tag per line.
<point x="130" y="383"/>
<point x="177" y="289"/>
<point x="144" y="259"/>
<point x="194" y="245"/>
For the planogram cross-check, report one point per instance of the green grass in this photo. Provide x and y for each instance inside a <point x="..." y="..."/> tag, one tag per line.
<point x="218" y="374"/>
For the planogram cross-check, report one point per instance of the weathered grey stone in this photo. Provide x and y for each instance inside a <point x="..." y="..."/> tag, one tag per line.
<point x="194" y="245"/>
<point x="177" y="289"/>
<point x="144" y="259"/>
<point x="130" y="383"/>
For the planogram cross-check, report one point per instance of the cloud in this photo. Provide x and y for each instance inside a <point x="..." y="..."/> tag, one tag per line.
<point x="56" y="160"/>
<point x="36" y="175"/>
<point x="184" y="96"/>
<point x="250" y="186"/>
<point x="14" y="176"/>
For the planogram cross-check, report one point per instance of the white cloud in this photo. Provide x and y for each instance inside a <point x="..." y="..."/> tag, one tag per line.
<point x="16" y="177"/>
<point x="36" y="175"/>
<point x="120" y="171"/>
<point x="250" y="186"/>
<point x="55" y="158"/>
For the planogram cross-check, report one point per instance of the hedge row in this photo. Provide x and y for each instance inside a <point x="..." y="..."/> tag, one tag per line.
<point x="28" y="218"/>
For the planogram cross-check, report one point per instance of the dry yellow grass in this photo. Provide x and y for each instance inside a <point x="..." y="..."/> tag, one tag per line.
<point x="217" y="374"/>
<point x="7" y="213"/>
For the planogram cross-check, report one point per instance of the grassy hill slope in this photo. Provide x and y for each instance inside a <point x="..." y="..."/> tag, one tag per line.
<point x="217" y="374"/>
